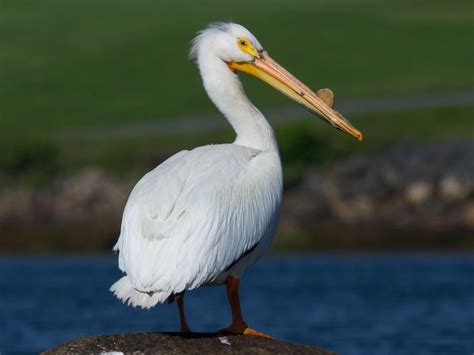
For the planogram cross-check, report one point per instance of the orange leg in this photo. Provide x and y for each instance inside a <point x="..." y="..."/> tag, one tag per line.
<point x="182" y="319"/>
<point x="238" y="325"/>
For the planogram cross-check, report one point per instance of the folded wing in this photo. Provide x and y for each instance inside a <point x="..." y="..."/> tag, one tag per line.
<point x="192" y="217"/>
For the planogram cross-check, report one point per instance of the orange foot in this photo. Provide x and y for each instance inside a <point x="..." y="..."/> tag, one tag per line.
<point x="185" y="329"/>
<point x="243" y="330"/>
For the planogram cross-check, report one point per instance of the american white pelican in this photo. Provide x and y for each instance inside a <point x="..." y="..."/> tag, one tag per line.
<point x="204" y="216"/>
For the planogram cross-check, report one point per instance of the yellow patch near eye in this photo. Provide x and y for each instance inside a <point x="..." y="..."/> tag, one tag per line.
<point x="246" y="46"/>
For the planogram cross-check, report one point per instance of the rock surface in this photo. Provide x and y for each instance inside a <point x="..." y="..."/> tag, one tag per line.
<point x="180" y="343"/>
<point x="425" y="186"/>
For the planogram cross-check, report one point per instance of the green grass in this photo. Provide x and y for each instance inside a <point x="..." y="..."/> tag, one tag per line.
<point x="384" y="129"/>
<point x="66" y="64"/>
<point x="306" y="142"/>
<point x="89" y="64"/>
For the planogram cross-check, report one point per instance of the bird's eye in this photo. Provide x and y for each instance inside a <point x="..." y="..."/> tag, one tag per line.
<point x="243" y="43"/>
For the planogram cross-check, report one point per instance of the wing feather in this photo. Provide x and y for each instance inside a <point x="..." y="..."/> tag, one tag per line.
<point x="197" y="213"/>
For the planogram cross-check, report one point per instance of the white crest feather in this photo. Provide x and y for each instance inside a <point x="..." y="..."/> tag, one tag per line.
<point x="212" y="27"/>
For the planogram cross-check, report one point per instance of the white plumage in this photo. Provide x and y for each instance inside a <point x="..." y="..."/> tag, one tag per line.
<point x="204" y="216"/>
<point x="191" y="218"/>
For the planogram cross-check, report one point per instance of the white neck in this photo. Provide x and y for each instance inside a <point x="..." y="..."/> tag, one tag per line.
<point x="225" y="91"/>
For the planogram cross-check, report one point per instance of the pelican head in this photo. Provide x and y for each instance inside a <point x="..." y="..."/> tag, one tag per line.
<point x="240" y="50"/>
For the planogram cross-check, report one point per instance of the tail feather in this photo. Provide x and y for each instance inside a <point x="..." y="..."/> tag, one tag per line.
<point x="124" y="291"/>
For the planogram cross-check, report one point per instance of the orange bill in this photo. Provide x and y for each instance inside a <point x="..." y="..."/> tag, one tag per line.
<point x="266" y="69"/>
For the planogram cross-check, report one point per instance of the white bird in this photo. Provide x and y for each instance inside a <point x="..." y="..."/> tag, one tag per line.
<point x="204" y="216"/>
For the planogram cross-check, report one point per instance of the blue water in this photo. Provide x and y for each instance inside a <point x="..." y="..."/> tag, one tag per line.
<point x="352" y="304"/>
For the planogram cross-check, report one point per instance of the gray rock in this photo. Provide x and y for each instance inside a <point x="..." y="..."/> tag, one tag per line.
<point x="453" y="188"/>
<point x="426" y="186"/>
<point x="181" y="343"/>
<point x="418" y="192"/>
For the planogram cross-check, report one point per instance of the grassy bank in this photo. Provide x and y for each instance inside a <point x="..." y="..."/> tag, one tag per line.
<point x="67" y="66"/>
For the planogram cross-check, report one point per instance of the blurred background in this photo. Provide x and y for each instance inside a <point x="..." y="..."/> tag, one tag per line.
<point x="94" y="94"/>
